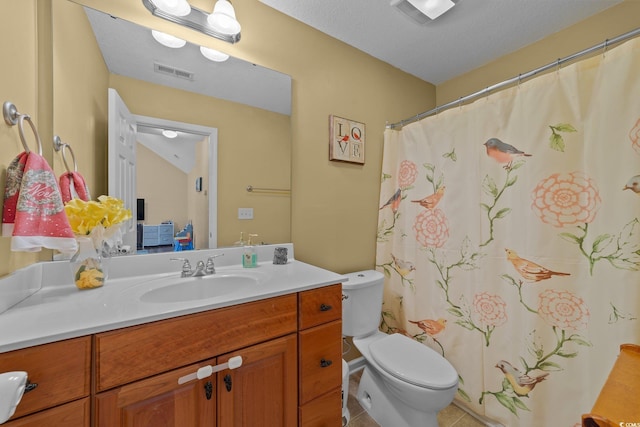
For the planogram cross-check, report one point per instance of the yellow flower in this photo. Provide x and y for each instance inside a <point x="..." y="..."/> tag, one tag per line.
<point x="88" y="278"/>
<point x="85" y="216"/>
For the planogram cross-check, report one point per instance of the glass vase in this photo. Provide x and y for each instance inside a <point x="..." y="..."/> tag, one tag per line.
<point x="87" y="265"/>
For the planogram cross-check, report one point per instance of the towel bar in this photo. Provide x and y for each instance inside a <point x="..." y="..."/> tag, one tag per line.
<point x="252" y="189"/>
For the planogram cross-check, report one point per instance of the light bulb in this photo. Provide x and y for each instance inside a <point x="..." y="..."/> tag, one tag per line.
<point x="173" y="7"/>
<point x="223" y="18"/>
<point x="213" y="55"/>
<point x="170" y="133"/>
<point x="167" y="39"/>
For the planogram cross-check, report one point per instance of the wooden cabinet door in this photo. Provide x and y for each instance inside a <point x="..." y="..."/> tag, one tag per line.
<point x="74" y="414"/>
<point x="263" y="391"/>
<point x="160" y="401"/>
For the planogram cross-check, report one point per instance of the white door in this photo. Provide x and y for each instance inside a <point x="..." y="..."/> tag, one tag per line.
<point x="122" y="162"/>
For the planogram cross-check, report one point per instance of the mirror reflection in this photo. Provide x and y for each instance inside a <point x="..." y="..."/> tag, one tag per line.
<point x="248" y="104"/>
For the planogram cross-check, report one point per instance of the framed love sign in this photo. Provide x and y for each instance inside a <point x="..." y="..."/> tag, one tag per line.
<point x="346" y="140"/>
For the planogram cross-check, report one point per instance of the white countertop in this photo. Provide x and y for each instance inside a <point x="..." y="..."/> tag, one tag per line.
<point x="58" y="310"/>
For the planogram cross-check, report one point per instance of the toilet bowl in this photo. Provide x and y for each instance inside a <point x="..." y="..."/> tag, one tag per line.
<point x="404" y="383"/>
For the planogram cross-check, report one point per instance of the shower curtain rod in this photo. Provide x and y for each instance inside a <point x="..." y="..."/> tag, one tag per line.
<point x="604" y="45"/>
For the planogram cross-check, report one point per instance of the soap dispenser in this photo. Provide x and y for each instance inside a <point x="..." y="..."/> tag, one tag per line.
<point x="249" y="255"/>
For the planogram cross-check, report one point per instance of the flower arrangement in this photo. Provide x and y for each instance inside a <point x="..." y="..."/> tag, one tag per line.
<point x="85" y="217"/>
<point x="95" y="224"/>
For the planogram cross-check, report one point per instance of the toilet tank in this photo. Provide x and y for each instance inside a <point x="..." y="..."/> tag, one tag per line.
<point x="361" y="302"/>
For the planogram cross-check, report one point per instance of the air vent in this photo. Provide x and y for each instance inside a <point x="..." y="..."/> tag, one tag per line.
<point x="171" y="71"/>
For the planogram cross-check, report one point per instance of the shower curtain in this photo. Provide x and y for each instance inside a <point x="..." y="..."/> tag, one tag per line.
<point x="509" y="236"/>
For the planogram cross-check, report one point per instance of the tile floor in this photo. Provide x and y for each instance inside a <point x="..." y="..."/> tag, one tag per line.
<point x="451" y="416"/>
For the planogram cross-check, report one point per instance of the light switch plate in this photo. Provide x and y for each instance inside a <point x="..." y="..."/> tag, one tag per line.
<point x="245" y="213"/>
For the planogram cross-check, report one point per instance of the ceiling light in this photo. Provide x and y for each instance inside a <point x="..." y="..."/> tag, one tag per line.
<point x="198" y="20"/>
<point x="213" y="55"/>
<point x="170" y="133"/>
<point x="432" y="8"/>
<point x="167" y="39"/>
<point x="223" y="18"/>
<point x="173" y="7"/>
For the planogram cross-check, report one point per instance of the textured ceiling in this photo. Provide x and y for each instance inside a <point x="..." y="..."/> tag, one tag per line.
<point x="470" y="35"/>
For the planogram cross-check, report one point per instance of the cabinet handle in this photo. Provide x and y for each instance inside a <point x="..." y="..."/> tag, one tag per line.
<point x="30" y="386"/>
<point x="208" y="390"/>
<point x="325" y="363"/>
<point x="325" y="307"/>
<point x="227" y="382"/>
<point x="206" y="371"/>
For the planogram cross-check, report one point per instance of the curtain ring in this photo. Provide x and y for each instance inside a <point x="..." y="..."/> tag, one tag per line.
<point x="64" y="158"/>
<point x="606" y="45"/>
<point x="21" y="119"/>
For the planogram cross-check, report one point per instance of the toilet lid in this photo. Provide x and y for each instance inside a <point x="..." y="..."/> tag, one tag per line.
<point x="413" y="362"/>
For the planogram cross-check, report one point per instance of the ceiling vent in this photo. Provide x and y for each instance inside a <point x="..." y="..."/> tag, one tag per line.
<point x="171" y="71"/>
<point x="422" y="11"/>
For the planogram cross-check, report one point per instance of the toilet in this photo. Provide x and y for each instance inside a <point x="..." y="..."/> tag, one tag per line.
<point x="404" y="382"/>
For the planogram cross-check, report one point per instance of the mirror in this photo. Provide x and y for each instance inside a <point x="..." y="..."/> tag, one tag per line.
<point x="248" y="105"/>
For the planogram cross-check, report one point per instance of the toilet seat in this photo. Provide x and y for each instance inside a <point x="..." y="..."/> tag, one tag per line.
<point x="412" y="362"/>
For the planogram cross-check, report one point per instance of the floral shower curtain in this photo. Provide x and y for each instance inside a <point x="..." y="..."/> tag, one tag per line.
<point x="509" y="235"/>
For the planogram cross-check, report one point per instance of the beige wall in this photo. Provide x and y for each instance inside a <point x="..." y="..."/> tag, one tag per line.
<point x="155" y="179"/>
<point x="197" y="202"/>
<point x="80" y="106"/>
<point x="334" y="206"/>
<point x="590" y="32"/>
<point x="19" y="80"/>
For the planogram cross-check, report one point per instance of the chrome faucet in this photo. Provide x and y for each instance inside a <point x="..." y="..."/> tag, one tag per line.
<point x="202" y="269"/>
<point x="186" y="267"/>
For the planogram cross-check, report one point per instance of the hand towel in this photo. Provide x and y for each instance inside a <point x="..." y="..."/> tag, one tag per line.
<point x="11" y="193"/>
<point x="40" y="220"/>
<point x="73" y="186"/>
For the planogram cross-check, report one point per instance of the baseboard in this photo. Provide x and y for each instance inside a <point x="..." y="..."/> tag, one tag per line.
<point x="484" y="420"/>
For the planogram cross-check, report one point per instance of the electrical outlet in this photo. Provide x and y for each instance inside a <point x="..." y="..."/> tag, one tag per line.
<point x="245" y="213"/>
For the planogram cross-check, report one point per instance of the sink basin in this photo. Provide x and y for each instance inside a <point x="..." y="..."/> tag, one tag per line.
<point x="197" y="288"/>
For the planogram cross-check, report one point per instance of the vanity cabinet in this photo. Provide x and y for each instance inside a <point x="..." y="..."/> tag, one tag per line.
<point x="144" y="364"/>
<point x="320" y="357"/>
<point x="62" y="373"/>
<point x="290" y="374"/>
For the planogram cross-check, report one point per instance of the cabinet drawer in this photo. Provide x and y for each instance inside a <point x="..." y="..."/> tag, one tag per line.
<point x="60" y="369"/>
<point x="74" y="414"/>
<point x="324" y="411"/>
<point x="137" y="352"/>
<point x="320" y="305"/>
<point x="320" y="364"/>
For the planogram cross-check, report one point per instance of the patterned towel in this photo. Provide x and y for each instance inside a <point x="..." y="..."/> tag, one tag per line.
<point x="33" y="211"/>
<point x="73" y="186"/>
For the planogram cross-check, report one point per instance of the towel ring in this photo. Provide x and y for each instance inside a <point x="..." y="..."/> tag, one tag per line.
<point x="73" y="156"/>
<point x="13" y="117"/>
<point x="58" y="145"/>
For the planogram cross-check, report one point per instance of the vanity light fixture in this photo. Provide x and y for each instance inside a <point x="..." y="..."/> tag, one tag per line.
<point x="168" y="40"/>
<point x="213" y="55"/>
<point x="170" y="133"/>
<point x="174" y="7"/>
<point x="223" y="18"/>
<point x="220" y="24"/>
